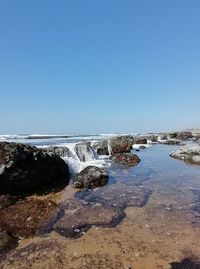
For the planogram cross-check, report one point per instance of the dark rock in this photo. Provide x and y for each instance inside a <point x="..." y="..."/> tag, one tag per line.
<point x="80" y="217"/>
<point x="142" y="147"/>
<point x="25" y="169"/>
<point x="181" y="135"/>
<point x="171" y="142"/>
<point x="7" y="200"/>
<point x="187" y="263"/>
<point x="7" y="242"/>
<point x="90" y="177"/>
<point x="29" y="217"/>
<point x="126" y="159"/>
<point x="140" y="141"/>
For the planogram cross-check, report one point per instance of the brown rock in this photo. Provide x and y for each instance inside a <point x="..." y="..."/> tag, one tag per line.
<point x="29" y="217"/>
<point x="126" y="159"/>
<point x="80" y="217"/>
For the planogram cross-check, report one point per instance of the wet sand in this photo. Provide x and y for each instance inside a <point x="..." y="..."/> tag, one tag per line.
<point x="164" y="229"/>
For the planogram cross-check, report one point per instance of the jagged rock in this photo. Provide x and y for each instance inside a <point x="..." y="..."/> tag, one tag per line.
<point x="90" y="177"/>
<point x="126" y="159"/>
<point x="84" y="152"/>
<point x="7" y="242"/>
<point x="29" y="217"/>
<point x="80" y="217"/>
<point x="26" y="169"/>
<point x="189" y="153"/>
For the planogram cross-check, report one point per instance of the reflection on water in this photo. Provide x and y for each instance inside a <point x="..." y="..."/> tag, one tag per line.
<point x="158" y="204"/>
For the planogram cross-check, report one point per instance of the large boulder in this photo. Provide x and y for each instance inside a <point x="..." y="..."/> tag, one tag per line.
<point x="121" y="144"/>
<point x="25" y="169"/>
<point x="90" y="177"/>
<point x="116" y="144"/>
<point x="126" y="159"/>
<point x="189" y="153"/>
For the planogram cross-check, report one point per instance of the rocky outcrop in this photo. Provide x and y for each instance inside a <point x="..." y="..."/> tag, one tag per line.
<point x="114" y="145"/>
<point x="126" y="159"/>
<point x="181" y="135"/>
<point x="29" y="217"/>
<point x="26" y="169"/>
<point x="189" y="153"/>
<point x="7" y="242"/>
<point x="84" y="152"/>
<point x="90" y="177"/>
<point x="58" y="150"/>
<point x="80" y="217"/>
<point x="121" y="144"/>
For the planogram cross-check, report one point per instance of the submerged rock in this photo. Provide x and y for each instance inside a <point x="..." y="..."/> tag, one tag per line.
<point x="90" y="177"/>
<point x="80" y="217"/>
<point x="43" y="253"/>
<point x="189" y="153"/>
<point x="29" y="217"/>
<point x="117" y="196"/>
<point x="26" y="169"/>
<point x="7" y="242"/>
<point x="126" y="159"/>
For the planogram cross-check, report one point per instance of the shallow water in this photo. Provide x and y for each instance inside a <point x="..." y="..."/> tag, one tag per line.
<point x="159" y="200"/>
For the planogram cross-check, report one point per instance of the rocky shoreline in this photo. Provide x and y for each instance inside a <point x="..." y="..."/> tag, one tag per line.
<point x="28" y="174"/>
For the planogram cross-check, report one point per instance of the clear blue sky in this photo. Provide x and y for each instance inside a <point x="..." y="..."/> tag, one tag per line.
<point x="99" y="66"/>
